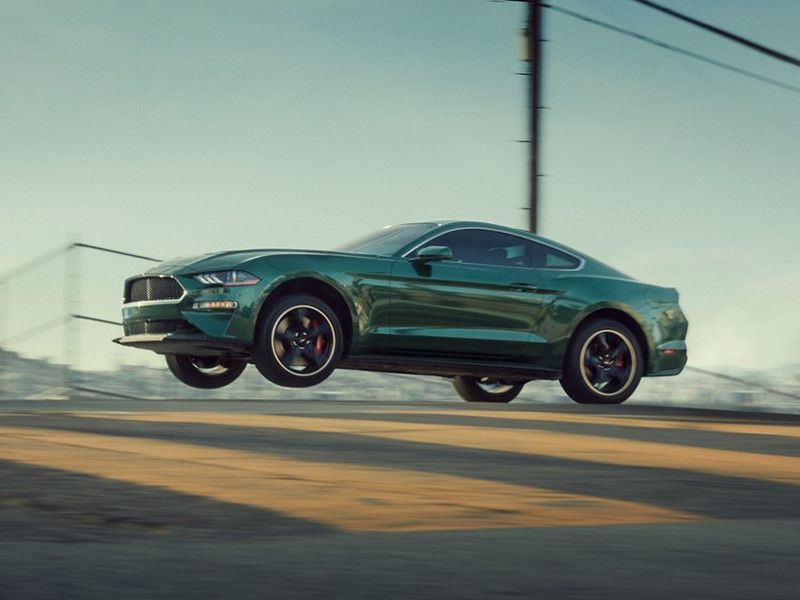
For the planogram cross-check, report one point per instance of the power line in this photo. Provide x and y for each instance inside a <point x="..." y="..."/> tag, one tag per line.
<point x="56" y="252"/>
<point x="120" y="252"/>
<point x="34" y="331"/>
<point x="671" y="48"/>
<point x="96" y="320"/>
<point x="724" y="33"/>
<point x="34" y="262"/>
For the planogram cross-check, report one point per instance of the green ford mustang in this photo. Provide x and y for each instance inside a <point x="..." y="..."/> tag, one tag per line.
<point x="488" y="306"/>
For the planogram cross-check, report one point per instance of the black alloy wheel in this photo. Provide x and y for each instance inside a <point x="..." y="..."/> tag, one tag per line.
<point x="298" y="342"/>
<point x="205" y="372"/>
<point x="603" y="364"/>
<point x="486" y="389"/>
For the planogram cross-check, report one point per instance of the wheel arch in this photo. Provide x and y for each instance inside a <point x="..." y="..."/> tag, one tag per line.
<point x="620" y="316"/>
<point x="319" y="289"/>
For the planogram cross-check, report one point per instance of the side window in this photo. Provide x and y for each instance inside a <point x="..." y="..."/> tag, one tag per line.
<point x="476" y="246"/>
<point x="484" y="247"/>
<point x="545" y="257"/>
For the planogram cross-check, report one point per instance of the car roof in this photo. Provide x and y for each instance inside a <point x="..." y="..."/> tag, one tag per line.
<point x="448" y="225"/>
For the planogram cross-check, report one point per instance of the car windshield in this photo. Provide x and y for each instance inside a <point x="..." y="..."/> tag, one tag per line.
<point x="389" y="240"/>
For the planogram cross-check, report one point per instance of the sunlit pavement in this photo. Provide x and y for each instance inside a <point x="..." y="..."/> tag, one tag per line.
<point x="110" y="498"/>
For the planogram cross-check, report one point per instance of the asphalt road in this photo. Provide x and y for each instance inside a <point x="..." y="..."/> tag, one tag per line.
<point x="287" y="499"/>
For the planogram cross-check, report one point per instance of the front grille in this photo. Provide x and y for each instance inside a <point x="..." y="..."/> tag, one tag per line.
<point x="153" y="288"/>
<point x="160" y="326"/>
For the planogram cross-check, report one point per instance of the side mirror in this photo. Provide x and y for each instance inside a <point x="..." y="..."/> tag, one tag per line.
<point x="433" y="253"/>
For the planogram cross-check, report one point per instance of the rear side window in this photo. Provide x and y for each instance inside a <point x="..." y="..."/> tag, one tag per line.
<point x="545" y="257"/>
<point x="484" y="247"/>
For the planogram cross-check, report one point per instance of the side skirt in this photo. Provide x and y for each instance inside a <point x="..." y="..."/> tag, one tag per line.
<point x="445" y="368"/>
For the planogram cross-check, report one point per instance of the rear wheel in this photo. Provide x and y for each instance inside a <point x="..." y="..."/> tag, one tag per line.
<point x="603" y="364"/>
<point x="486" y="389"/>
<point x="205" y="372"/>
<point x="298" y="341"/>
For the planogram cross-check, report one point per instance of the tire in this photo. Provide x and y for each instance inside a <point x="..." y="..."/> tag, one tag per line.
<point x="298" y="341"/>
<point x="603" y="364"/>
<point x="205" y="372"/>
<point x="486" y="389"/>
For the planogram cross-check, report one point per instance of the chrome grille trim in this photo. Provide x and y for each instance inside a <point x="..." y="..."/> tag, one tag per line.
<point x="153" y="289"/>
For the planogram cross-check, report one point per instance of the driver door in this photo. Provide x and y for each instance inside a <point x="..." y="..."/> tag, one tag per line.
<point x="484" y="304"/>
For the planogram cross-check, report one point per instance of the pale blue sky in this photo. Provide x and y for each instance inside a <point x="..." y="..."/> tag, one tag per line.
<point x="169" y="128"/>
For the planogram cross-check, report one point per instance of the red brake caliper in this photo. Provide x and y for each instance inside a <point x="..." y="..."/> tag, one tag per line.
<point x="319" y="343"/>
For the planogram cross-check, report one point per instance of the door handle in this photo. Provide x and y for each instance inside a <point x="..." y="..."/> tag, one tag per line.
<point x="523" y="287"/>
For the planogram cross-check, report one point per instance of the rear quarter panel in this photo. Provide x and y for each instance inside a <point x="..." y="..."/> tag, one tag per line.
<point x="654" y="309"/>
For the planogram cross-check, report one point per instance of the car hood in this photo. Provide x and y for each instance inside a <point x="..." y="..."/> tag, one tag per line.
<point x="216" y="261"/>
<point x="206" y="262"/>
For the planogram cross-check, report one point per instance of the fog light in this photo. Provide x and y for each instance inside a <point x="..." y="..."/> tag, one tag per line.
<point x="215" y="305"/>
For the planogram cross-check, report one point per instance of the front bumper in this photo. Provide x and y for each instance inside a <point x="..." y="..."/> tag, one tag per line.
<point x="174" y="326"/>
<point x="194" y="344"/>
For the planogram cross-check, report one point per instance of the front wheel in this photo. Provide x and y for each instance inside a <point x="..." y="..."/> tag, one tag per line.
<point x="298" y="341"/>
<point x="205" y="372"/>
<point x="603" y="364"/>
<point x="486" y="389"/>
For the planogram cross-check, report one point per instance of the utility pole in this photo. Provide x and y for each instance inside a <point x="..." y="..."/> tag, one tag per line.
<point x="72" y="289"/>
<point x="533" y="48"/>
<point x="4" y="300"/>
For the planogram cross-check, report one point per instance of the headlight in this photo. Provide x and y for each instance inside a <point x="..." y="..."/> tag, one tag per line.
<point x="229" y="278"/>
